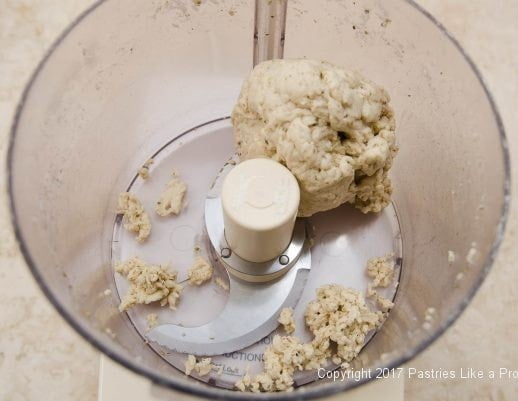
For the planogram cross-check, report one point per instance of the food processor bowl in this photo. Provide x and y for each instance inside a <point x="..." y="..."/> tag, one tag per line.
<point x="128" y="77"/>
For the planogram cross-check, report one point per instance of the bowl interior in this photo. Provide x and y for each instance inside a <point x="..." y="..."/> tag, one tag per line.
<point x="130" y="76"/>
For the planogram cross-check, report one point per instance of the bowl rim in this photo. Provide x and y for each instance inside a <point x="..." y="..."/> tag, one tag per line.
<point x="217" y="393"/>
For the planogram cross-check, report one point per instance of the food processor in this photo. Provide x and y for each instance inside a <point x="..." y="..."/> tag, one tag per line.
<point x="132" y="80"/>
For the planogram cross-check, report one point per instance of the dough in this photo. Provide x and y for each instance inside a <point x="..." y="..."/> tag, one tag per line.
<point x="381" y="270"/>
<point x="143" y="172"/>
<point x="340" y="315"/>
<point x="152" y="320"/>
<point x="135" y="219"/>
<point x="286" y="320"/>
<point x="200" y="271"/>
<point x="281" y="359"/>
<point x="384" y="303"/>
<point x="337" y="316"/>
<point x="148" y="283"/>
<point x="332" y="128"/>
<point x="202" y="368"/>
<point x="171" y="200"/>
<point x="219" y="281"/>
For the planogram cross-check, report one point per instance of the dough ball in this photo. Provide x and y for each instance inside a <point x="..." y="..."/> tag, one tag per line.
<point x="333" y="129"/>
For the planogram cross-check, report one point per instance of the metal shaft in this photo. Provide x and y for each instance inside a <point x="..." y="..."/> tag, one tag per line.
<point x="269" y="29"/>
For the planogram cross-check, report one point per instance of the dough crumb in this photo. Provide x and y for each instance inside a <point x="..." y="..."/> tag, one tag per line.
<point x="286" y="320"/>
<point x="171" y="200"/>
<point x="340" y="315"/>
<point x="472" y="255"/>
<point x="190" y="364"/>
<point x="222" y="283"/>
<point x="451" y="257"/>
<point x="381" y="270"/>
<point x="244" y="383"/>
<point x="110" y="332"/>
<point x="429" y="317"/>
<point x="202" y="368"/>
<point x="143" y="172"/>
<point x="385" y="304"/>
<point x="107" y="292"/>
<point x="148" y="283"/>
<point x="200" y="271"/>
<point x="135" y="218"/>
<point x="338" y="319"/>
<point x="152" y="320"/>
<point x="332" y="128"/>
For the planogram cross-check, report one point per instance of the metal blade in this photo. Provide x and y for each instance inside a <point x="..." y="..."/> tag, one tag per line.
<point x="251" y="314"/>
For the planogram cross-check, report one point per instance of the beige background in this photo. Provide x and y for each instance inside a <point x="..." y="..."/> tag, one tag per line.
<point x="41" y="358"/>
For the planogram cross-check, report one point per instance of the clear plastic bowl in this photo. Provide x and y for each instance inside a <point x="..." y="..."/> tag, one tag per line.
<point x="128" y="76"/>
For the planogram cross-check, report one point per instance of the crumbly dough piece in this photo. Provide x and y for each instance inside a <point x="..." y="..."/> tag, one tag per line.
<point x="333" y="129"/>
<point x="202" y="368"/>
<point x="219" y="281"/>
<point x="135" y="218"/>
<point x="340" y="315"/>
<point x="337" y="316"/>
<point x="190" y="364"/>
<point x="381" y="270"/>
<point x="287" y="320"/>
<point x="200" y="271"/>
<point x="143" y="172"/>
<point x="152" y="320"/>
<point x="171" y="200"/>
<point x="148" y="283"/>
<point x="281" y="359"/>
<point x="385" y="304"/>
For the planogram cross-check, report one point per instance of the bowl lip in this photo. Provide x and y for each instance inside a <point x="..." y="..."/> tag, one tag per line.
<point x="221" y="394"/>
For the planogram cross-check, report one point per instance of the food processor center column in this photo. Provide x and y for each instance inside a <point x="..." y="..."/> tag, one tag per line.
<point x="260" y="200"/>
<point x="269" y="29"/>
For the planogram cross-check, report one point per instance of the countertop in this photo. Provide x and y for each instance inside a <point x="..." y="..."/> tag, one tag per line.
<point x="41" y="357"/>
